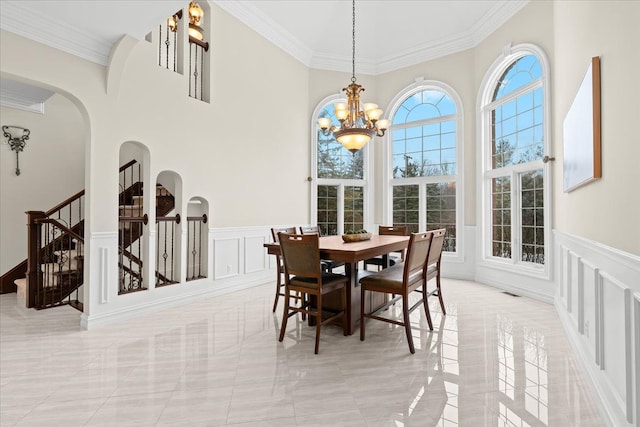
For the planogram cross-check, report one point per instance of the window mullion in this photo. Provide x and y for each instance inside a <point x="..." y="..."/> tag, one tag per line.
<point x="422" y="219"/>
<point x="516" y="229"/>
<point x="340" y="208"/>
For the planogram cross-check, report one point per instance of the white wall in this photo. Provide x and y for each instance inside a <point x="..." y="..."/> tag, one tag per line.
<point x="609" y="209"/>
<point x="51" y="166"/>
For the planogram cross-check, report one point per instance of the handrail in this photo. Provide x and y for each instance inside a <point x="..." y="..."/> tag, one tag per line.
<point x="126" y="165"/>
<point x="61" y="226"/>
<point x="65" y="203"/>
<point x="168" y="218"/>
<point x="202" y="218"/>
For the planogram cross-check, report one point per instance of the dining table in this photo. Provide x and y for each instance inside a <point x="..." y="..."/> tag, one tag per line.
<point x="351" y="253"/>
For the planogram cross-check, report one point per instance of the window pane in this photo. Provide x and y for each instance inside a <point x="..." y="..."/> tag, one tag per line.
<point x="532" y="216"/>
<point x="501" y="217"/>
<point x="441" y="211"/>
<point x="327" y="209"/>
<point x="406" y="206"/>
<point x="520" y="73"/>
<point x="417" y="149"/>
<point x="353" y="208"/>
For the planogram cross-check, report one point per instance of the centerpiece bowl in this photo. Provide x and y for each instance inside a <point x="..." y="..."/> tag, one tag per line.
<point x="357" y="237"/>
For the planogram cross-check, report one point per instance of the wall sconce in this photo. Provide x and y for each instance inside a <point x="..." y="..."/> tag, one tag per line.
<point x="17" y="139"/>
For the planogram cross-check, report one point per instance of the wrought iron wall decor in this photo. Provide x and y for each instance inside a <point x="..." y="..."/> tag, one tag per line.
<point x="17" y="139"/>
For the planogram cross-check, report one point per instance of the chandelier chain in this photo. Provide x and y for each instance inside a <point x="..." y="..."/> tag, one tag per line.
<point x="353" y="44"/>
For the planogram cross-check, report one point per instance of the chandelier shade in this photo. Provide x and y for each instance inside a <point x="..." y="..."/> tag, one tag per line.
<point x="358" y="124"/>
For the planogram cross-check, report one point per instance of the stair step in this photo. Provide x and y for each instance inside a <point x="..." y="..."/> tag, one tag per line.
<point x="137" y="200"/>
<point x="131" y="210"/>
<point x="21" y="291"/>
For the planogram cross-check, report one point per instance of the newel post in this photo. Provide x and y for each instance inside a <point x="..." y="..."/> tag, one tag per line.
<point x="34" y="272"/>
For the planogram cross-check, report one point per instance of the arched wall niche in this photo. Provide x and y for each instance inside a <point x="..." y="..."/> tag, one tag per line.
<point x="197" y="238"/>
<point x="134" y="205"/>
<point x="169" y="226"/>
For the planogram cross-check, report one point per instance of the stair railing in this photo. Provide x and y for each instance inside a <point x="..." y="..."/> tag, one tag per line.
<point x="166" y="267"/>
<point x="69" y="215"/>
<point x="195" y="243"/>
<point x="130" y="252"/>
<point x="59" y="257"/>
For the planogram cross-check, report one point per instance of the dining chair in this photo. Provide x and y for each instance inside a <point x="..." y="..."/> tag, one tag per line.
<point x="280" y="265"/>
<point x="303" y="273"/>
<point x="327" y="264"/>
<point x="433" y="265"/>
<point x="400" y="230"/>
<point x="401" y="279"/>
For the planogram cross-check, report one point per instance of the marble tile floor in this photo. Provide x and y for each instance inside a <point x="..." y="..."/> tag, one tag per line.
<point x="493" y="360"/>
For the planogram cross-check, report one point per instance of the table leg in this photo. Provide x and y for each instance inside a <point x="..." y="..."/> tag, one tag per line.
<point x="353" y="297"/>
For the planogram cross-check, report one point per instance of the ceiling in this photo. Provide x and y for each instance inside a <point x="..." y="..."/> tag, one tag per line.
<point x="389" y="34"/>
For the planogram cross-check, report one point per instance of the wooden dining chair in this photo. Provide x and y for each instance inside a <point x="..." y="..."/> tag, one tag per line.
<point x="303" y="273"/>
<point x="280" y="265"/>
<point x="401" y="279"/>
<point x="400" y="230"/>
<point x="327" y="264"/>
<point x="433" y="265"/>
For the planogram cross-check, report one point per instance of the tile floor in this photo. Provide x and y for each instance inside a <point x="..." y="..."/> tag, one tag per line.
<point x="493" y="360"/>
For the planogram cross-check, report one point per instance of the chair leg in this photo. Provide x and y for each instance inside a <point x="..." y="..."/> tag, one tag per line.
<point x="407" y="322"/>
<point x="278" y="286"/>
<point x="440" y="293"/>
<point x="318" y="322"/>
<point x="362" y="313"/>
<point x="285" y="316"/>
<point x="426" y="305"/>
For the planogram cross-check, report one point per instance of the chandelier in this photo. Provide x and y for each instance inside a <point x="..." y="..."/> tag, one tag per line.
<point x="357" y="124"/>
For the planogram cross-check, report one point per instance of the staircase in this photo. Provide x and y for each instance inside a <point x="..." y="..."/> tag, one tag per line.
<point x="52" y="274"/>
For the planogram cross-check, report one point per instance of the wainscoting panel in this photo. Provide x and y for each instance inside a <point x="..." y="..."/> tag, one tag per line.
<point x="616" y="344"/>
<point x="598" y="302"/>
<point x="227" y="257"/>
<point x="589" y="323"/>
<point x="575" y="288"/>
<point x="255" y="258"/>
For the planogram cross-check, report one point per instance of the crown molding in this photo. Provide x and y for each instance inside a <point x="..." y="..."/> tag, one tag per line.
<point x="267" y="28"/>
<point x="495" y="18"/>
<point x="491" y="21"/>
<point x="24" y="21"/>
<point x="23" y="97"/>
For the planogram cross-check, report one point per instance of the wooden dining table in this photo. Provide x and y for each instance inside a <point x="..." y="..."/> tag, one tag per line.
<point x="335" y="249"/>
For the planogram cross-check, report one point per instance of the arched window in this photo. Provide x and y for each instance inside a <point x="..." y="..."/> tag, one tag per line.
<point x="425" y="156"/>
<point x="340" y="185"/>
<point x="514" y="129"/>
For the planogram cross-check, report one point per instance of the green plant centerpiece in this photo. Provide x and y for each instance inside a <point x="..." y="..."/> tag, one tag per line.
<point x="356" y="236"/>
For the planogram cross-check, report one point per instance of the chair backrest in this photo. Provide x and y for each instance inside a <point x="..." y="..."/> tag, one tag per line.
<point x="436" y="245"/>
<point x="391" y="230"/>
<point x="311" y="230"/>
<point x="415" y="261"/>
<point x="275" y="231"/>
<point x="301" y="255"/>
